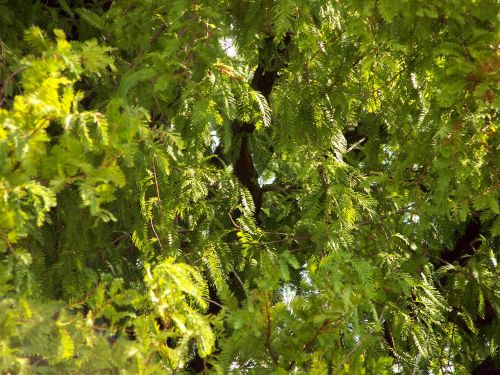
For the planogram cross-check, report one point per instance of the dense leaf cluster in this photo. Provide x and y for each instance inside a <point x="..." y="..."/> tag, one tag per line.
<point x="266" y="186"/>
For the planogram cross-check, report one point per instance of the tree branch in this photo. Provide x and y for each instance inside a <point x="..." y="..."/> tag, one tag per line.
<point x="244" y="168"/>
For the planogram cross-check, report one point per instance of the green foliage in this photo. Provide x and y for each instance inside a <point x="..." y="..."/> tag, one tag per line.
<point x="249" y="187"/>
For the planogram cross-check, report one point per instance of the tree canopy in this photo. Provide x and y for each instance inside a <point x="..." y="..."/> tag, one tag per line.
<point x="249" y="187"/>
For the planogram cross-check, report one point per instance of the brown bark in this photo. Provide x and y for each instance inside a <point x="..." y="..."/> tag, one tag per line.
<point x="244" y="168"/>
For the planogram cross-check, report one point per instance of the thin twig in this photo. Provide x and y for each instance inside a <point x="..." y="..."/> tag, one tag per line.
<point x="155" y="233"/>
<point x="309" y="343"/>
<point x="354" y="64"/>
<point x="7" y="80"/>
<point x="212" y="301"/>
<point x="116" y="240"/>
<point x="230" y="217"/>
<point x="321" y="49"/>
<point x="156" y="183"/>
<point x="355" y="145"/>
<point x="356" y="347"/>
<point x="395" y="76"/>
<point x="241" y="283"/>
<point x="159" y="203"/>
